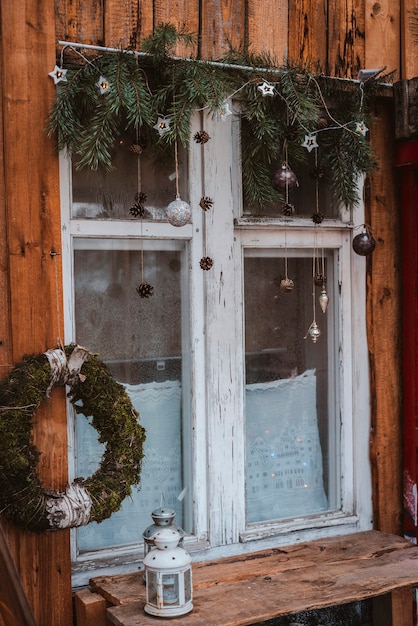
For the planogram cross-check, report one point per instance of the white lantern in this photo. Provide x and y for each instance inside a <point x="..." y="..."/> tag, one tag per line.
<point x="168" y="576"/>
<point x="162" y="518"/>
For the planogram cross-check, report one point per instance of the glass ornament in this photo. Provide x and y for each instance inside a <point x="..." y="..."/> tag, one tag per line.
<point x="314" y="332"/>
<point x="285" y="178"/>
<point x="364" y="243"/>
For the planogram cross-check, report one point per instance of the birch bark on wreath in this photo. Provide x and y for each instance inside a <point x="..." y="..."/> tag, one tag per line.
<point x="93" y="392"/>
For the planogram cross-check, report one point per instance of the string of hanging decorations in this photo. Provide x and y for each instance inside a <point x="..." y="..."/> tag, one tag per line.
<point x="289" y="115"/>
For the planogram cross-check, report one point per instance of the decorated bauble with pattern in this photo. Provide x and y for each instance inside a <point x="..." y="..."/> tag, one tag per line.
<point x="179" y="212"/>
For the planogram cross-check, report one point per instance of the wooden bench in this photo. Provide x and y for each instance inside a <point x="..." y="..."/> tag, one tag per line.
<point x="256" y="587"/>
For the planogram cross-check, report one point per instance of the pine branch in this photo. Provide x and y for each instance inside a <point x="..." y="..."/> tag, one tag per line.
<point x="162" y="41"/>
<point x="95" y="143"/>
<point x="273" y="127"/>
<point x="256" y="175"/>
<point x="73" y="101"/>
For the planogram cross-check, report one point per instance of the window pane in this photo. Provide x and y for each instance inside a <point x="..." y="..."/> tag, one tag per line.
<point x="141" y="341"/>
<point x="100" y="194"/>
<point x="290" y="407"/>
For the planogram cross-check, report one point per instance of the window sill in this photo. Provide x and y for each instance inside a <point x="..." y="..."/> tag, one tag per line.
<point x="291" y="223"/>
<point x="305" y="526"/>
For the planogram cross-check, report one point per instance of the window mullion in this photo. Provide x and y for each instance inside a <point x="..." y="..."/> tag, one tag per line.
<point x="225" y="427"/>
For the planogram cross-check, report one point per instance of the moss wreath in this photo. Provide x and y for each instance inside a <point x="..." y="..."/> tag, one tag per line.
<point x="94" y="393"/>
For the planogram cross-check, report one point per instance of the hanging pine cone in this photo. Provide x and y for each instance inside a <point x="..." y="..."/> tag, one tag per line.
<point x="288" y="209"/>
<point x="322" y="122"/>
<point x="135" y="148"/>
<point x="286" y="284"/>
<point x="316" y="173"/>
<point x="145" y="290"/>
<point x="138" y="146"/>
<point x="317" y="218"/>
<point x="291" y="132"/>
<point x="138" y="209"/>
<point x="206" y="263"/>
<point x="206" y="203"/>
<point x="201" y="136"/>
<point x="320" y="279"/>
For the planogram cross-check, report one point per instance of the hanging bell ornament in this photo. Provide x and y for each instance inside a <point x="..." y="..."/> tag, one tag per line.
<point x="178" y="212"/>
<point x="364" y="243"/>
<point x="285" y="178"/>
<point x="323" y="300"/>
<point x="314" y="332"/>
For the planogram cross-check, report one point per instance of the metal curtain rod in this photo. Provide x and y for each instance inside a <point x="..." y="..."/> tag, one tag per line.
<point x="247" y="68"/>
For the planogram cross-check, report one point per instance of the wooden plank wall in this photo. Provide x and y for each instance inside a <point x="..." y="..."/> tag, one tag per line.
<point x="30" y="210"/>
<point x="340" y="36"/>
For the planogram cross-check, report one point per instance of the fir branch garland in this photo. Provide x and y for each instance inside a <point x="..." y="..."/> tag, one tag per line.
<point x="145" y="86"/>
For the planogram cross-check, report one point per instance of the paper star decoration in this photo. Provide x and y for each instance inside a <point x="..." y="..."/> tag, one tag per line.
<point x="361" y="128"/>
<point x="162" y="125"/>
<point x="58" y="74"/>
<point x="310" y="142"/>
<point x="266" y="89"/>
<point x="103" y="84"/>
<point x="224" y="111"/>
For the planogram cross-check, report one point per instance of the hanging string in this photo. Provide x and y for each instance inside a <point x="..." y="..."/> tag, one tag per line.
<point x="176" y="159"/>
<point x="314" y="269"/>
<point x="286" y="155"/>
<point x="285" y="258"/>
<point x="313" y="329"/>
<point x="139" y="187"/>
<point x="144" y="289"/>
<point x="176" y="149"/>
<point x="142" y="257"/>
<point x="203" y="179"/>
<point x="286" y="284"/>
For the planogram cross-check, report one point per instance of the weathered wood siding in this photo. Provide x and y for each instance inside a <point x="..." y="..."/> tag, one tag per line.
<point x="30" y="212"/>
<point x="340" y="37"/>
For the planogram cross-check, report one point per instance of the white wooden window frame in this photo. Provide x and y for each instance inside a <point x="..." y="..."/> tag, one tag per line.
<point x="215" y="325"/>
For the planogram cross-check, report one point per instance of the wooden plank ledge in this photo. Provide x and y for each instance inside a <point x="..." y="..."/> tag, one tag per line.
<point x="281" y="581"/>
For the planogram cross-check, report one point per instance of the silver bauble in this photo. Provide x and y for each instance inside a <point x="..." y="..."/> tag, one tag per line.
<point x="178" y="212"/>
<point x="314" y="332"/>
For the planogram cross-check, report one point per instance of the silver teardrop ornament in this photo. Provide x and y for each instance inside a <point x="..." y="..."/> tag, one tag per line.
<point x="323" y="300"/>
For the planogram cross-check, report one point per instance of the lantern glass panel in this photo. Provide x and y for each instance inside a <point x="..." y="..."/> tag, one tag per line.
<point x="152" y="587"/>
<point x="188" y="585"/>
<point x="170" y="589"/>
